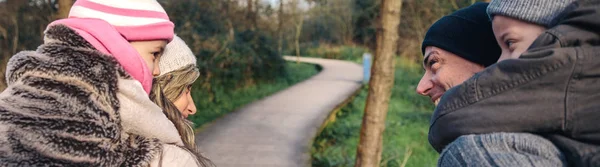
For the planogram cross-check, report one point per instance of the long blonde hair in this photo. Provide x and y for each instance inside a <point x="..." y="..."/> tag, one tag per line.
<point x="166" y="89"/>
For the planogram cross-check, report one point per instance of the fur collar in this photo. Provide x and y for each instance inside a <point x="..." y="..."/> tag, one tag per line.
<point x="61" y="108"/>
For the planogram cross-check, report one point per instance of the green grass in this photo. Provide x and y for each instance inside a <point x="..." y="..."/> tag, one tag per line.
<point x="227" y="100"/>
<point x="349" y="53"/>
<point x="406" y="130"/>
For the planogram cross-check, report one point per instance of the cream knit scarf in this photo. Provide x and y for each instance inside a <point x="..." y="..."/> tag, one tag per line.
<point x="139" y="115"/>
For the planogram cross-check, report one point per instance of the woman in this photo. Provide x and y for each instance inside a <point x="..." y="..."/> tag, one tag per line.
<point x="171" y="91"/>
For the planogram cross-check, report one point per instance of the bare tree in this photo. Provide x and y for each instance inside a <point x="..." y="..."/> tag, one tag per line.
<point x="454" y="4"/>
<point x="299" y="22"/>
<point x="340" y="11"/>
<point x="255" y="13"/>
<point x="249" y="8"/>
<point x="9" y="32"/>
<point x="297" y="39"/>
<point x="250" y="14"/>
<point x="227" y="6"/>
<point x="22" y="24"/>
<point x="280" y="29"/>
<point x="64" y="6"/>
<point x="333" y="19"/>
<point x="380" y="87"/>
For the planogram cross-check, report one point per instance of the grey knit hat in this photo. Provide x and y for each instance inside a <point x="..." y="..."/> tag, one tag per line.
<point x="541" y="12"/>
<point x="177" y="55"/>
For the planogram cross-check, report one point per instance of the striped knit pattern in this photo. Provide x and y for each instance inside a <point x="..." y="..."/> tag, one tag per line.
<point x="542" y="12"/>
<point x="136" y="20"/>
<point x="61" y="108"/>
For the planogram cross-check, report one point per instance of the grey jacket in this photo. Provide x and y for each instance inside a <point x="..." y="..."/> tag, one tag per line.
<point x="61" y="108"/>
<point x="552" y="90"/>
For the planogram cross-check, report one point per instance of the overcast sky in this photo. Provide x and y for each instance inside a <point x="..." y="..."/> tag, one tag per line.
<point x="275" y="3"/>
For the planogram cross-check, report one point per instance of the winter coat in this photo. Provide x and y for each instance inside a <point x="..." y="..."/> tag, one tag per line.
<point x="66" y="104"/>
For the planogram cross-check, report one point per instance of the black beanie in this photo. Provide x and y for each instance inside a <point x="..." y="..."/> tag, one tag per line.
<point x="466" y="33"/>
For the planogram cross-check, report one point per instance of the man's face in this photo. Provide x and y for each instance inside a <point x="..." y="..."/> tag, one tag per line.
<point x="444" y="70"/>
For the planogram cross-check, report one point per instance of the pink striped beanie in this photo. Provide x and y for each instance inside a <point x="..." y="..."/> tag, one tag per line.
<point x="136" y="20"/>
<point x="109" y="24"/>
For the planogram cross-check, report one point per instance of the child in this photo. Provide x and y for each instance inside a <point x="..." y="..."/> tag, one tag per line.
<point x="517" y="23"/>
<point x="551" y="90"/>
<point x="81" y="99"/>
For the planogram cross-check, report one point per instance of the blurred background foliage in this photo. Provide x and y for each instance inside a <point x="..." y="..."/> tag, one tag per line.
<point x="239" y="45"/>
<point x="240" y="42"/>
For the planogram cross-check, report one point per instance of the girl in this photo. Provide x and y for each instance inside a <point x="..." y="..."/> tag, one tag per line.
<point x="81" y="99"/>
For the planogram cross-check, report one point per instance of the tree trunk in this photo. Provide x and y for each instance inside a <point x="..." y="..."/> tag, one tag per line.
<point x="280" y="29"/>
<point x="249" y="13"/>
<point x="15" y="42"/>
<point x="298" y="32"/>
<point x="227" y="14"/>
<point x="454" y="5"/>
<point x="299" y="21"/>
<point x="249" y="8"/>
<point x="64" y="6"/>
<point x="10" y="33"/>
<point x="255" y="14"/>
<point x="14" y="5"/>
<point x="380" y="87"/>
<point x="3" y="62"/>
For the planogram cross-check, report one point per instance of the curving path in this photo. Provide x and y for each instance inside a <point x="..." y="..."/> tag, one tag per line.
<point x="277" y="131"/>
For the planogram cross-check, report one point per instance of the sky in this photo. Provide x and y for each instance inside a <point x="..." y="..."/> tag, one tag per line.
<point x="275" y="3"/>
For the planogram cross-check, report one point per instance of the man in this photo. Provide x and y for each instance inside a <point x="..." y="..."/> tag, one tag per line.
<point x="551" y="90"/>
<point x="457" y="47"/>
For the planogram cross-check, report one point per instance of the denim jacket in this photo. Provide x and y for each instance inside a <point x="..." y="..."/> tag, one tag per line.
<point x="552" y="90"/>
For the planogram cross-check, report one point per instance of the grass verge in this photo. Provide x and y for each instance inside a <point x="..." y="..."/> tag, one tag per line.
<point x="405" y="137"/>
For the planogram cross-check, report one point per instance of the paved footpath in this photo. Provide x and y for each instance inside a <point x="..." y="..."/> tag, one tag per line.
<point x="277" y="131"/>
